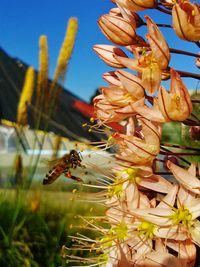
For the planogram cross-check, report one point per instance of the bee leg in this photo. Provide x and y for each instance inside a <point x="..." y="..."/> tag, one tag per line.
<point x="73" y="165"/>
<point x="78" y="179"/>
<point x="67" y="174"/>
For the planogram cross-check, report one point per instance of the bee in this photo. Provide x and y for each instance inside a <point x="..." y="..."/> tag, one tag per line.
<point x="63" y="165"/>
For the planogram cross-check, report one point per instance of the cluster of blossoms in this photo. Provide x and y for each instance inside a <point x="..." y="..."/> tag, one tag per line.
<point x="151" y="221"/>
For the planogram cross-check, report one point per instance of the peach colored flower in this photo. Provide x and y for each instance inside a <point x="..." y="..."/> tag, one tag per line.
<point x="135" y="5"/>
<point x="117" y="29"/>
<point x="108" y="112"/>
<point x="148" y="68"/>
<point x="112" y="78"/>
<point x="137" y="150"/>
<point x="152" y="113"/>
<point x="186" y="20"/>
<point x="186" y="251"/>
<point x="175" y="105"/>
<point x="158" y="44"/>
<point x="187" y="178"/>
<point x="107" y="53"/>
<point x="132" y="84"/>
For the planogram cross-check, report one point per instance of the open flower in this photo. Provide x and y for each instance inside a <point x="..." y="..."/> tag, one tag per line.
<point x="158" y="44"/>
<point x="151" y="113"/>
<point x="175" y="105"/>
<point x="186" y="20"/>
<point x="187" y="178"/>
<point x="178" y="223"/>
<point x="148" y="68"/>
<point x="137" y="150"/>
<point x="109" y="112"/>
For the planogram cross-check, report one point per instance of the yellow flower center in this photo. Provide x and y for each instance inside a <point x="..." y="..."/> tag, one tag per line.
<point x="131" y="175"/>
<point x="146" y="229"/>
<point x="176" y="101"/>
<point x="182" y="216"/>
<point x="106" y="241"/>
<point x="115" y="189"/>
<point x="120" y="231"/>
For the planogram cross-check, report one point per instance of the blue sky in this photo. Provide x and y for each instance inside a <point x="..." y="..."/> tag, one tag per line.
<point x="22" y="22"/>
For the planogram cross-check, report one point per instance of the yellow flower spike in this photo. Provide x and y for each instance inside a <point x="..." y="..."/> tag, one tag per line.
<point x="147" y="229"/>
<point x="65" y="51"/>
<point x="43" y="67"/>
<point x="26" y="96"/>
<point x="57" y="142"/>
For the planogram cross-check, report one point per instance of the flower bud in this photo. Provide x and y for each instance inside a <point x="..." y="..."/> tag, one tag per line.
<point x="117" y="30"/>
<point x="112" y="78"/>
<point x="108" y="52"/>
<point x="186" y="20"/>
<point x="135" y="5"/>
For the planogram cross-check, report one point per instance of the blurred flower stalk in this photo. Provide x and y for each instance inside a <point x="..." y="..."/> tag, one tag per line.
<point x="150" y="220"/>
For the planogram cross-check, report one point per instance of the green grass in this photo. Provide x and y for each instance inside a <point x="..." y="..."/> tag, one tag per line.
<point x="35" y="224"/>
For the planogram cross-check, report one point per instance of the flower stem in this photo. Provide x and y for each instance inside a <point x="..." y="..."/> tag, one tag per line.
<point x="198" y="43"/>
<point x="180" y="153"/>
<point x="189" y="74"/>
<point x="182" y="52"/>
<point x="164" y="25"/>
<point x="160" y="25"/>
<point x="171" y="153"/>
<point x="181" y="147"/>
<point x="163" y="10"/>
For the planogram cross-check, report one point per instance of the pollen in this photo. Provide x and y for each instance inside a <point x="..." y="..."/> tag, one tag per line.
<point x="115" y="189"/>
<point x="147" y="229"/>
<point x="182" y="216"/>
<point x="132" y="175"/>
<point x="176" y="100"/>
<point x="106" y="241"/>
<point x="92" y="120"/>
<point x="120" y="231"/>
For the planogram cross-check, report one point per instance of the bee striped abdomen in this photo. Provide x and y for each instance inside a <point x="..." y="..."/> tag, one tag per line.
<point x="52" y="175"/>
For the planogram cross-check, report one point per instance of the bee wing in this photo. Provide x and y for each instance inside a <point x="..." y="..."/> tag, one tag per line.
<point x="50" y="163"/>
